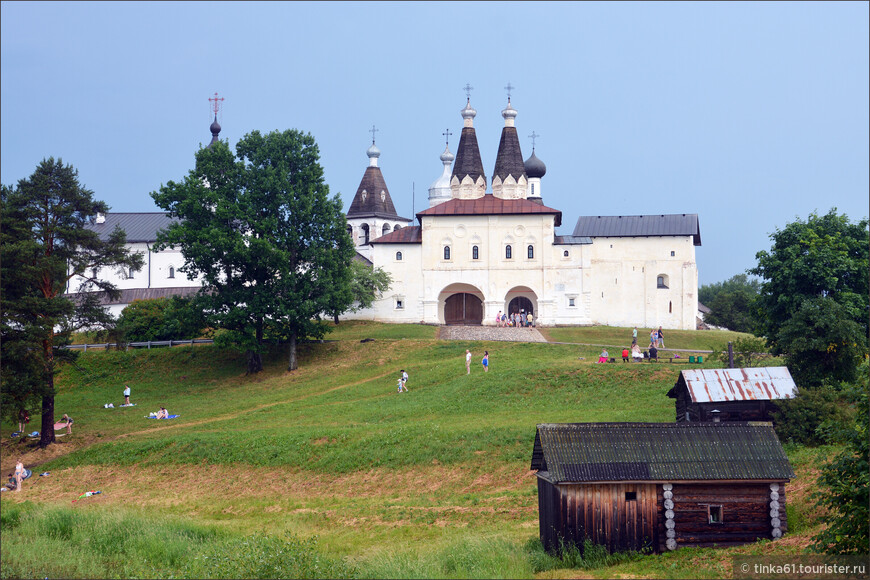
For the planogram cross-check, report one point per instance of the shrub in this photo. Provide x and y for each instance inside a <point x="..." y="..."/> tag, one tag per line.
<point x="746" y="349"/>
<point x="160" y="319"/>
<point x="799" y="420"/>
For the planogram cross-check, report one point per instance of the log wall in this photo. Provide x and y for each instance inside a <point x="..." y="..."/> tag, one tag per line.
<point x="599" y="512"/>
<point x="746" y="514"/>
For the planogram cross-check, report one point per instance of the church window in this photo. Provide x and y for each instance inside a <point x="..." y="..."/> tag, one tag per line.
<point x="571" y="302"/>
<point x="533" y="189"/>
<point x="364" y="234"/>
<point x="446" y="252"/>
<point x="398" y="256"/>
<point x="363" y="195"/>
<point x="531" y="252"/>
<point x="383" y="195"/>
<point x="565" y="253"/>
<point x="399" y="304"/>
<point x="670" y="307"/>
<point x="673" y="253"/>
<point x="475" y="253"/>
<point x="397" y="227"/>
<point x="662" y="281"/>
<point x="129" y="273"/>
<point x="93" y="273"/>
<point x="385" y="230"/>
<point x="171" y="272"/>
<point x="350" y="231"/>
<point x="507" y="253"/>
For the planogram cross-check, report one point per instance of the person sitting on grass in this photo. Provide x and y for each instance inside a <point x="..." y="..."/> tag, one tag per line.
<point x="636" y="354"/>
<point x="602" y="358"/>
<point x="162" y="413"/>
<point x="653" y="354"/>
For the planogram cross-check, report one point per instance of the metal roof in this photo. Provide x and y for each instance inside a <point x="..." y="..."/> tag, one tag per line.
<point x="627" y="226"/>
<point x="570" y="240"/>
<point x="586" y="452"/>
<point x="744" y="384"/>
<point x="408" y="235"/>
<point x="140" y="227"/>
<point x="491" y="205"/>
<point x="128" y="295"/>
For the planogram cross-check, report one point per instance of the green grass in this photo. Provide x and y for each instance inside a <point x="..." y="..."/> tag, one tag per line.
<point x="326" y="471"/>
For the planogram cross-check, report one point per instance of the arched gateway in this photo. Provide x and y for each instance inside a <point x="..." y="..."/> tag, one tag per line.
<point x="463" y="308"/>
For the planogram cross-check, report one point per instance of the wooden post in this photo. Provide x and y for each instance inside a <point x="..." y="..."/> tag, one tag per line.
<point x="730" y="355"/>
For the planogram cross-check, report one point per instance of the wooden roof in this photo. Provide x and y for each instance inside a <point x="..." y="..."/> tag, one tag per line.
<point x="604" y="452"/>
<point x="491" y="205"/>
<point x="128" y="295"/>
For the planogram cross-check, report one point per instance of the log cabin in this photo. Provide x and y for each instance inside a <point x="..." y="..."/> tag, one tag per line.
<point x="654" y="487"/>
<point x="742" y="394"/>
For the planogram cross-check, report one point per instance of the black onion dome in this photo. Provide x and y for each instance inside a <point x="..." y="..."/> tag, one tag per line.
<point x="215" y="131"/>
<point x="534" y="166"/>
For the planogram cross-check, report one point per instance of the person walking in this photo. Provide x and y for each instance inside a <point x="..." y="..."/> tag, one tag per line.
<point x="498" y="319"/>
<point x="531" y="320"/>
<point x="467" y="362"/>
<point x="404" y="380"/>
<point x="634" y="336"/>
<point x="661" y="337"/>
<point x="485" y="361"/>
<point x="126" y="394"/>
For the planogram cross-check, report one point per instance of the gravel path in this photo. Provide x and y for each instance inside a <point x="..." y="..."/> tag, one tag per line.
<point x="491" y="333"/>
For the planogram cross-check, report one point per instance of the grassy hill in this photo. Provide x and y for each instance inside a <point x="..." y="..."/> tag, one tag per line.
<point x="328" y="471"/>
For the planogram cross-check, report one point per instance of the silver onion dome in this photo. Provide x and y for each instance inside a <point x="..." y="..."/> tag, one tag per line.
<point x="468" y="112"/>
<point x="373" y="152"/>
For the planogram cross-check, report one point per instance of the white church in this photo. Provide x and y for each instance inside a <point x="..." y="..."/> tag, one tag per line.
<point x="477" y="253"/>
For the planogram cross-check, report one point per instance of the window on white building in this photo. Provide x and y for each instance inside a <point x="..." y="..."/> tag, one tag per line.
<point x="398" y="256"/>
<point x="565" y="253"/>
<point x="446" y="252"/>
<point x="508" y="253"/>
<point x="530" y="252"/>
<point x="364" y="236"/>
<point x="171" y="272"/>
<point x="475" y="253"/>
<point x="385" y="230"/>
<point x="571" y="303"/>
<point x="673" y="253"/>
<point x="400" y="302"/>
<point x="661" y="281"/>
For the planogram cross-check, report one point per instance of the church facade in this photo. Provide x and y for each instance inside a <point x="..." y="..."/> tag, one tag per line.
<point x="477" y="253"/>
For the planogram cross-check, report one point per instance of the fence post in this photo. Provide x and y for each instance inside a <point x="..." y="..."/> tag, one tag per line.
<point x="149" y="345"/>
<point x="730" y="355"/>
<point x="86" y="347"/>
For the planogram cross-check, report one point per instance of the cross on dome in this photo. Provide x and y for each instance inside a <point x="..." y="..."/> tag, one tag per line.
<point x="533" y="136"/>
<point x="447" y="133"/>
<point x="468" y="88"/>
<point x="373" y="130"/>
<point x="215" y="103"/>
<point x="509" y="88"/>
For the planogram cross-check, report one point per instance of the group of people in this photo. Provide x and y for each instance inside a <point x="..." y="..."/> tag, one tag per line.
<point x="636" y="355"/>
<point x="484" y="361"/>
<point x="24" y="418"/>
<point x="656" y="338"/>
<point x="403" y="378"/>
<point x="517" y="319"/>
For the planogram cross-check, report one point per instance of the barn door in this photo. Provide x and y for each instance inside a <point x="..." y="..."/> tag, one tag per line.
<point x="463" y="308"/>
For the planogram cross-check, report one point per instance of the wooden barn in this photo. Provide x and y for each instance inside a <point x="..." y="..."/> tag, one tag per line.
<point x="658" y="486"/>
<point x="747" y="394"/>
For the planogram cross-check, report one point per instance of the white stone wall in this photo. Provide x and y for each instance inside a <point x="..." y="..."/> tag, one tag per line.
<point x="612" y="281"/>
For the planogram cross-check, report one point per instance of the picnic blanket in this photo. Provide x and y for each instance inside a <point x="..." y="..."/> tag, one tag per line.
<point x="169" y="417"/>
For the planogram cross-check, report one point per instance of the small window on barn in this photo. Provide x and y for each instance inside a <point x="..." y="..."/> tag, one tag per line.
<point x="631" y="496"/>
<point x="715" y="512"/>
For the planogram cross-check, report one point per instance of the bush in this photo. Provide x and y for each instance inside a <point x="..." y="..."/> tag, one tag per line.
<point x="160" y="319"/>
<point x="746" y="349"/>
<point x="799" y="420"/>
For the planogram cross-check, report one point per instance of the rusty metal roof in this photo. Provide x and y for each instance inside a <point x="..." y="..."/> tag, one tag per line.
<point x="408" y="235"/>
<point x="585" y="452"/>
<point x="744" y="384"/>
<point x="490" y="205"/>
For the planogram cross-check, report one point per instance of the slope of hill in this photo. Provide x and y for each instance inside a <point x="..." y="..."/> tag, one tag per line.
<point x="328" y="471"/>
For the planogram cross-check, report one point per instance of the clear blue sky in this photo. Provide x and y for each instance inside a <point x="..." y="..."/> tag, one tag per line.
<point x="748" y="114"/>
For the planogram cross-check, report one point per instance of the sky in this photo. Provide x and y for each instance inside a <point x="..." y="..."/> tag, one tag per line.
<point x="751" y="115"/>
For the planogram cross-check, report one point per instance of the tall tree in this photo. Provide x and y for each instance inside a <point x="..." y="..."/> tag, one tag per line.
<point x="268" y="240"/>
<point x="813" y="302"/>
<point x="45" y="245"/>
<point x="730" y="302"/>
